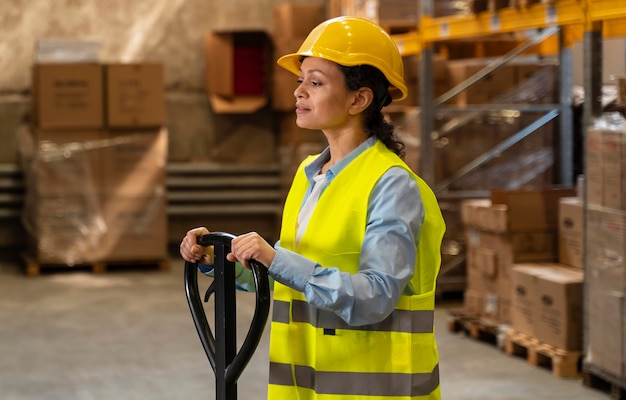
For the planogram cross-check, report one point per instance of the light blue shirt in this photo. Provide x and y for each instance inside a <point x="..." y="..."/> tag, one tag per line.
<point x="395" y="215"/>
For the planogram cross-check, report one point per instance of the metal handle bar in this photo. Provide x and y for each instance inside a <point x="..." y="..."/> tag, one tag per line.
<point x="226" y="362"/>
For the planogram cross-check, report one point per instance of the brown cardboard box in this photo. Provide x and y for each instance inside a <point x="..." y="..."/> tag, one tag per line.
<point x="482" y="214"/>
<point x="237" y="65"/>
<point x="136" y="228"/>
<point x="134" y="163"/>
<point x="606" y="248"/>
<point x="135" y="95"/>
<point x="560" y="312"/>
<point x="335" y="8"/>
<point x="571" y="219"/>
<point x="295" y="20"/>
<point x="614" y="169"/>
<point x="594" y="179"/>
<point x="473" y="302"/>
<point x="482" y="269"/>
<point x="68" y="96"/>
<point x="68" y="161"/>
<point x="524" y="317"/>
<point x="388" y="13"/>
<point x="491" y="258"/>
<point x="606" y="343"/>
<point x="532" y="210"/>
<point x="57" y="224"/>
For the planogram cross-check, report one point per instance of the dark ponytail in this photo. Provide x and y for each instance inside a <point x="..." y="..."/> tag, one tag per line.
<point x="367" y="76"/>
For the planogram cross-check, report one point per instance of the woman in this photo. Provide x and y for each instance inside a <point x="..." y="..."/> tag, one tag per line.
<point x="359" y="252"/>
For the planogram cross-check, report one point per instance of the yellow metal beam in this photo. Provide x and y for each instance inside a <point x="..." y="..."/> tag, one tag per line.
<point x="614" y="28"/>
<point x="574" y="15"/>
<point x="408" y="43"/>
<point x="604" y="10"/>
<point x="563" y="12"/>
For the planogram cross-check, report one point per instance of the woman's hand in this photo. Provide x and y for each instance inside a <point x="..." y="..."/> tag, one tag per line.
<point x="251" y="246"/>
<point x="191" y="251"/>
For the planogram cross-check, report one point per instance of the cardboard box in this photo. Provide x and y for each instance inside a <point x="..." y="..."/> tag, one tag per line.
<point x="482" y="266"/>
<point x="237" y="66"/>
<point x="491" y="257"/>
<point x="571" y="220"/>
<point x="473" y="302"/>
<point x="135" y="95"/>
<point x="136" y="228"/>
<point x="295" y="20"/>
<point x="134" y="163"/>
<point x="606" y="248"/>
<point x="57" y="224"/>
<point x="68" y="96"/>
<point x="594" y="179"/>
<point x="614" y="169"/>
<point x="560" y="312"/>
<point x="532" y="210"/>
<point x="525" y="300"/>
<point x="482" y="214"/>
<point x="606" y="342"/>
<point x="68" y="161"/>
<point x="388" y="13"/>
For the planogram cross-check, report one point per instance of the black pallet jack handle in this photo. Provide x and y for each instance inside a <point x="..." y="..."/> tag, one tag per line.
<point x="221" y="349"/>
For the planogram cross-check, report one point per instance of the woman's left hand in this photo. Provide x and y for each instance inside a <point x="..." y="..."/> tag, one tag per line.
<point x="251" y="246"/>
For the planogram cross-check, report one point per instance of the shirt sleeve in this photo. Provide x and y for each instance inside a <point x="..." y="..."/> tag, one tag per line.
<point x="387" y="262"/>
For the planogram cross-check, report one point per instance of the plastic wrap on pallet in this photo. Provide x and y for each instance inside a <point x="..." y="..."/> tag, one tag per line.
<point x="96" y="197"/>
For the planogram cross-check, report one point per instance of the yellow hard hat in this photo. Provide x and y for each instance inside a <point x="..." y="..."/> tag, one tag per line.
<point x="351" y="41"/>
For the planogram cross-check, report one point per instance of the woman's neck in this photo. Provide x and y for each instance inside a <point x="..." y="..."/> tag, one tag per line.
<point x="341" y="144"/>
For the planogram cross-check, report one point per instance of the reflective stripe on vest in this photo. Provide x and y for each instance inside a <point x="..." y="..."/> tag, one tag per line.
<point x="314" y="354"/>
<point x="408" y="321"/>
<point x="355" y="383"/>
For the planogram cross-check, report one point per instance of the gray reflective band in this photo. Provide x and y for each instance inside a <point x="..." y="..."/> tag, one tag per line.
<point x="281" y="311"/>
<point x="355" y="383"/>
<point x="416" y="321"/>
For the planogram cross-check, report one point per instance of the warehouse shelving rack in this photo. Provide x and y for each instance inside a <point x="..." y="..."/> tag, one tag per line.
<point x="568" y="21"/>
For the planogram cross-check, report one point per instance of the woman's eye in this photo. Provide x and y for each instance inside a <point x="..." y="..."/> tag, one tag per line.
<point x="315" y="83"/>
<point x="300" y="80"/>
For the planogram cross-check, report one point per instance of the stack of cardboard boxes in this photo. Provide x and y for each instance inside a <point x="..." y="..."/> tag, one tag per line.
<point x="94" y="159"/>
<point x="605" y="245"/>
<point x="514" y="274"/>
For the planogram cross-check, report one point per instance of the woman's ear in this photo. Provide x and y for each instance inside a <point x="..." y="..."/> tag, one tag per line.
<point x="363" y="97"/>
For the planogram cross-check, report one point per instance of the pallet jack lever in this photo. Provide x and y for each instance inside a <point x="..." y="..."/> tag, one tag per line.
<point x="221" y="348"/>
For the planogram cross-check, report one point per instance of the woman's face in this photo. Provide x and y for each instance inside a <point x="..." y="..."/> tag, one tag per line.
<point x="322" y="99"/>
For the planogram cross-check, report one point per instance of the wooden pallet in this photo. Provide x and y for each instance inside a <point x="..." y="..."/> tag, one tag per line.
<point x="564" y="363"/>
<point x="596" y="378"/>
<point x="32" y="267"/>
<point x="477" y="327"/>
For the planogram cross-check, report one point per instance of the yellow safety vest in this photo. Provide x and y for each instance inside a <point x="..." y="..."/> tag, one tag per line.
<point x="314" y="354"/>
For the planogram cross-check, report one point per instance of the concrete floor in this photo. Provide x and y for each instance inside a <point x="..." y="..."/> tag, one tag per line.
<point x="129" y="335"/>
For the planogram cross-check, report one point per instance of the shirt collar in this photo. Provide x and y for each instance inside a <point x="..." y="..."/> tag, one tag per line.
<point x="312" y="169"/>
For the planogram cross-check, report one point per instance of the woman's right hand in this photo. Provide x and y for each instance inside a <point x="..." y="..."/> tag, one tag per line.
<point x="191" y="251"/>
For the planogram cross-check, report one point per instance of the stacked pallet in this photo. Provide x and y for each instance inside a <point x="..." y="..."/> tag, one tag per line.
<point x="94" y="164"/>
<point x="606" y="251"/>
<point x="519" y="287"/>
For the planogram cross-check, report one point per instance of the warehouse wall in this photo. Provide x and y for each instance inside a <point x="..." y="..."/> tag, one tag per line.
<point x="167" y="31"/>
